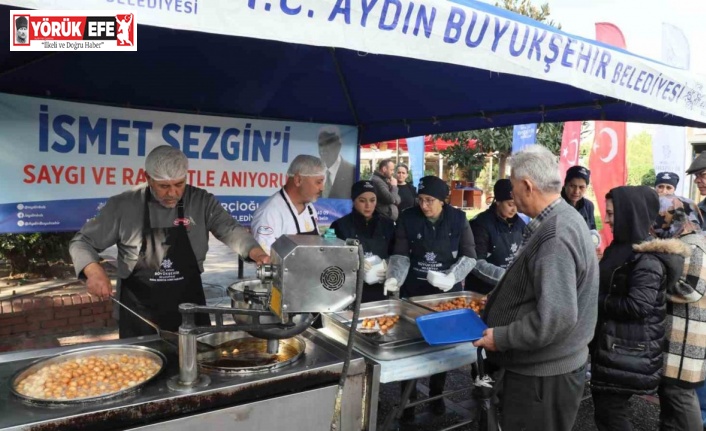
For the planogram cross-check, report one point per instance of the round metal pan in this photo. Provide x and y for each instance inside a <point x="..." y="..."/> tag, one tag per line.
<point x="249" y="355"/>
<point x="130" y="350"/>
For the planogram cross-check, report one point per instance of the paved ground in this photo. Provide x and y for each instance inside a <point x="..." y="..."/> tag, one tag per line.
<point x="645" y="413"/>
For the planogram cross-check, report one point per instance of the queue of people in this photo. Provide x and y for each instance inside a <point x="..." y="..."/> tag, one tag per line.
<point x="641" y="312"/>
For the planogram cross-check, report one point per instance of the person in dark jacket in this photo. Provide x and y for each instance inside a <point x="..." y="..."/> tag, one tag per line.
<point x="575" y="184"/>
<point x="386" y="189"/>
<point x="685" y="354"/>
<point x="497" y="233"/>
<point x="433" y="253"/>
<point x="635" y="272"/>
<point x="666" y="183"/>
<point x="698" y="170"/>
<point x="407" y="192"/>
<point x="375" y="233"/>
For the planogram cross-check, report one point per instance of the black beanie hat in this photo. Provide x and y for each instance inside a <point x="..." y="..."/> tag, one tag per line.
<point x="434" y="187"/>
<point x="577" y="172"/>
<point x="667" y="178"/>
<point x="20" y="22"/>
<point x="502" y="191"/>
<point x="361" y="187"/>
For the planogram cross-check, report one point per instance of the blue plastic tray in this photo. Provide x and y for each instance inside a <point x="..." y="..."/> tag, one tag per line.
<point x="448" y="327"/>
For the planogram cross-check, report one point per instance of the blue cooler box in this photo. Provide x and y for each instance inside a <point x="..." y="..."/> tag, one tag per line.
<point x="448" y="327"/>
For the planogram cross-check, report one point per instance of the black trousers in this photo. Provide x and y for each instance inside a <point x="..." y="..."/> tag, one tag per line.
<point x="534" y="403"/>
<point x="611" y="412"/>
<point x="679" y="409"/>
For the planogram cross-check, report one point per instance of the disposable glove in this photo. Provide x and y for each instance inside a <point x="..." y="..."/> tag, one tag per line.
<point x="441" y="281"/>
<point x="458" y="271"/>
<point x="381" y="272"/>
<point x="488" y="272"/>
<point x="398" y="267"/>
<point x="374" y="267"/>
<point x="391" y="286"/>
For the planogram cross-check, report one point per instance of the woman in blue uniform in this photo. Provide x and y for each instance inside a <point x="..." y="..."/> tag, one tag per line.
<point x="432" y="236"/>
<point x="497" y="233"/>
<point x="375" y="233"/>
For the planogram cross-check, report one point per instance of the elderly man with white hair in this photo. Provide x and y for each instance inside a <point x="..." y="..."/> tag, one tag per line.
<point x="542" y="313"/>
<point x="290" y="210"/>
<point x="161" y="230"/>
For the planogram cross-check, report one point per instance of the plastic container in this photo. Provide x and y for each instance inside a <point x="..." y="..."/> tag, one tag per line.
<point x="449" y="327"/>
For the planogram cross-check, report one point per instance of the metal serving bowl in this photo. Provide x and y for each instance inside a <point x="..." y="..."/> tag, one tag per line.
<point x="130" y="350"/>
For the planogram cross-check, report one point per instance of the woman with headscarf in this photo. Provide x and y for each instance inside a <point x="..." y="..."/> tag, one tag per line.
<point x="635" y="272"/>
<point x="433" y="253"/>
<point x="685" y="355"/>
<point x="374" y="232"/>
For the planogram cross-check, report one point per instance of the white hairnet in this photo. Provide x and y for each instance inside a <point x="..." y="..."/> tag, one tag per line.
<point x="166" y="163"/>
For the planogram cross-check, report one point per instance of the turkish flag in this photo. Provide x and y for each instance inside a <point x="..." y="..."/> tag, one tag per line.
<point x="607" y="162"/>
<point x="570" y="143"/>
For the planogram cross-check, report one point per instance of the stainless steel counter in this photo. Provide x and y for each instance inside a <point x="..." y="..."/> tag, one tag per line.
<point x="319" y="367"/>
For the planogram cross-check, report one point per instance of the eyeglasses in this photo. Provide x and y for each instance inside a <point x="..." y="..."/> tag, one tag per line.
<point x="427" y="201"/>
<point x="700" y="176"/>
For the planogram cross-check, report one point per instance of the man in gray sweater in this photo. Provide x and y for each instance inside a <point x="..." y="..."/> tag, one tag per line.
<point x="542" y="314"/>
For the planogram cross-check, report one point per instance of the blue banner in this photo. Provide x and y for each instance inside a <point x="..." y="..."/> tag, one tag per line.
<point x="75" y="156"/>
<point x="415" y="147"/>
<point x="523" y="135"/>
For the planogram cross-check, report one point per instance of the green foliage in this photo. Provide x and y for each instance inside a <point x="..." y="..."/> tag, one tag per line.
<point x="526" y="8"/>
<point x="468" y="158"/>
<point x="639" y="160"/>
<point x="24" y="251"/>
<point x="365" y="172"/>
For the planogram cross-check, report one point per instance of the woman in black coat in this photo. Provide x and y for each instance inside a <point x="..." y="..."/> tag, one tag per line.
<point x="376" y="233"/>
<point x="627" y="349"/>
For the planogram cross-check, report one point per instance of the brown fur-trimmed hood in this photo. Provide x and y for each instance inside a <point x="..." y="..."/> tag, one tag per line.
<point x="666" y="246"/>
<point x="671" y="252"/>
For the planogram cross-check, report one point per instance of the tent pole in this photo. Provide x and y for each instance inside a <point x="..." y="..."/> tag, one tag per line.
<point x="344" y="86"/>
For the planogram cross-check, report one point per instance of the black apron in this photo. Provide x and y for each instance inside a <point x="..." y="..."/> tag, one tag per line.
<point x="378" y="245"/>
<point x="296" y="220"/>
<point x="166" y="275"/>
<point x="504" y="241"/>
<point x="433" y="251"/>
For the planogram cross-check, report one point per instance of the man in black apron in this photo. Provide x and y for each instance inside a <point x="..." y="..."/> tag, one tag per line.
<point x="166" y="275"/>
<point x="162" y="233"/>
<point x="432" y="236"/>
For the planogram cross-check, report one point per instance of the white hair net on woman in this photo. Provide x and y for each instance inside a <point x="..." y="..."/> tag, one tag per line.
<point x="166" y="163"/>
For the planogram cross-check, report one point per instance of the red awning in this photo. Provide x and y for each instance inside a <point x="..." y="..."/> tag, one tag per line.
<point x="430" y="145"/>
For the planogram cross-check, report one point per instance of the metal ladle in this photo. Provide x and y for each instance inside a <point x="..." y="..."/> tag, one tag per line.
<point x="168" y="336"/>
